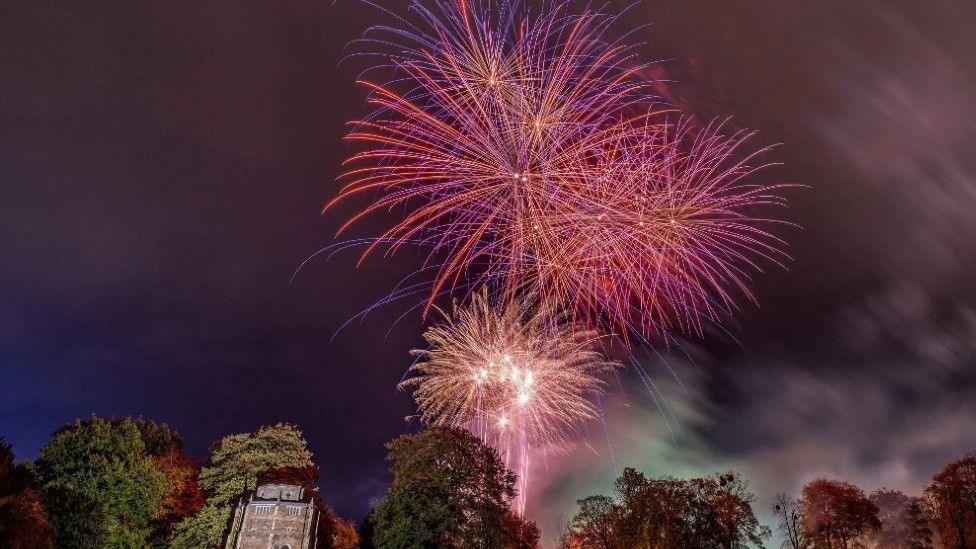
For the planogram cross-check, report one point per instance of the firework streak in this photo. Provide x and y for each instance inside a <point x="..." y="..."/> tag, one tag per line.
<point x="522" y="152"/>
<point x="519" y="148"/>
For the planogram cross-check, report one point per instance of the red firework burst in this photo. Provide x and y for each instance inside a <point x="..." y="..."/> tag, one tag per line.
<point x="522" y="151"/>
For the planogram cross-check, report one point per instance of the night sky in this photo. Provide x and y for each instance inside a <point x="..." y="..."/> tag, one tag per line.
<point x="163" y="167"/>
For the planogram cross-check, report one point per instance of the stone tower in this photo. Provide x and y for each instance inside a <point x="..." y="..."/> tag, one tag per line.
<point x="275" y="516"/>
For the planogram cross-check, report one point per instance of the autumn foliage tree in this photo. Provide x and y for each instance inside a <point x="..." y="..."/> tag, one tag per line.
<point x="342" y="534"/>
<point x="952" y="494"/>
<point x="707" y="512"/>
<point x="837" y="515"/>
<point x="184" y="496"/>
<point x="23" y="521"/>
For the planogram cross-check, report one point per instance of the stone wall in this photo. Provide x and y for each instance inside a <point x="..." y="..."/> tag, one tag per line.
<point x="277" y="525"/>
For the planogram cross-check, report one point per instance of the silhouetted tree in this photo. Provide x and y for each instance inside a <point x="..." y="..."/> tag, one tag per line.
<point x="725" y="503"/>
<point x="893" y="508"/>
<point x="367" y="529"/>
<point x="593" y="525"/>
<point x="448" y="490"/>
<point x="652" y="511"/>
<point x="953" y="500"/>
<point x="837" y="515"/>
<point x="701" y="512"/>
<point x="790" y="523"/>
<point x="519" y="533"/>
<point x="920" y="535"/>
<point x="23" y="521"/>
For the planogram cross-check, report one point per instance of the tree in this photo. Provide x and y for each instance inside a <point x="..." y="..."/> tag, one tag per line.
<point x="448" y="490"/>
<point x="837" y="514"/>
<point x="185" y="497"/>
<point x="367" y="530"/>
<point x="23" y="521"/>
<point x="592" y="526"/>
<point x="919" y="520"/>
<point x="232" y="471"/>
<point x="519" y="533"/>
<point x="904" y="523"/>
<point x="653" y="512"/>
<point x="787" y="512"/>
<point x="705" y="512"/>
<point x="101" y="485"/>
<point x="953" y="499"/>
<point x="342" y="534"/>
<point x="724" y="512"/>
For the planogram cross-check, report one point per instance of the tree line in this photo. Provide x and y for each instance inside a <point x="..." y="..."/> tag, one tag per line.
<point x="833" y="514"/>
<point x="717" y="512"/>
<point x="125" y="482"/>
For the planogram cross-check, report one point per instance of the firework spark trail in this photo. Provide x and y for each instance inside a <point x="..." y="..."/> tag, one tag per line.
<point x="666" y="241"/>
<point x="521" y="152"/>
<point x="519" y="376"/>
<point x="522" y="147"/>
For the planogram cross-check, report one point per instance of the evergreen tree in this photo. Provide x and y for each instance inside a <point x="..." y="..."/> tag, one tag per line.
<point x="102" y="488"/>
<point x="232" y="471"/>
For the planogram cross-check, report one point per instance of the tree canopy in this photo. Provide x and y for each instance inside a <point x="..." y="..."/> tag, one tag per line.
<point x="102" y="486"/>
<point x="904" y="521"/>
<point x="23" y="521"/>
<point x="124" y="482"/>
<point x="667" y="513"/>
<point x="232" y="470"/>
<point x="952" y="494"/>
<point x="837" y="515"/>
<point x="448" y="490"/>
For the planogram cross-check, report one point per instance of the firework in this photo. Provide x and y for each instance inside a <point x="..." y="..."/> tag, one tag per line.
<point x="521" y="151"/>
<point x="521" y="377"/>
<point x="660" y="236"/>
